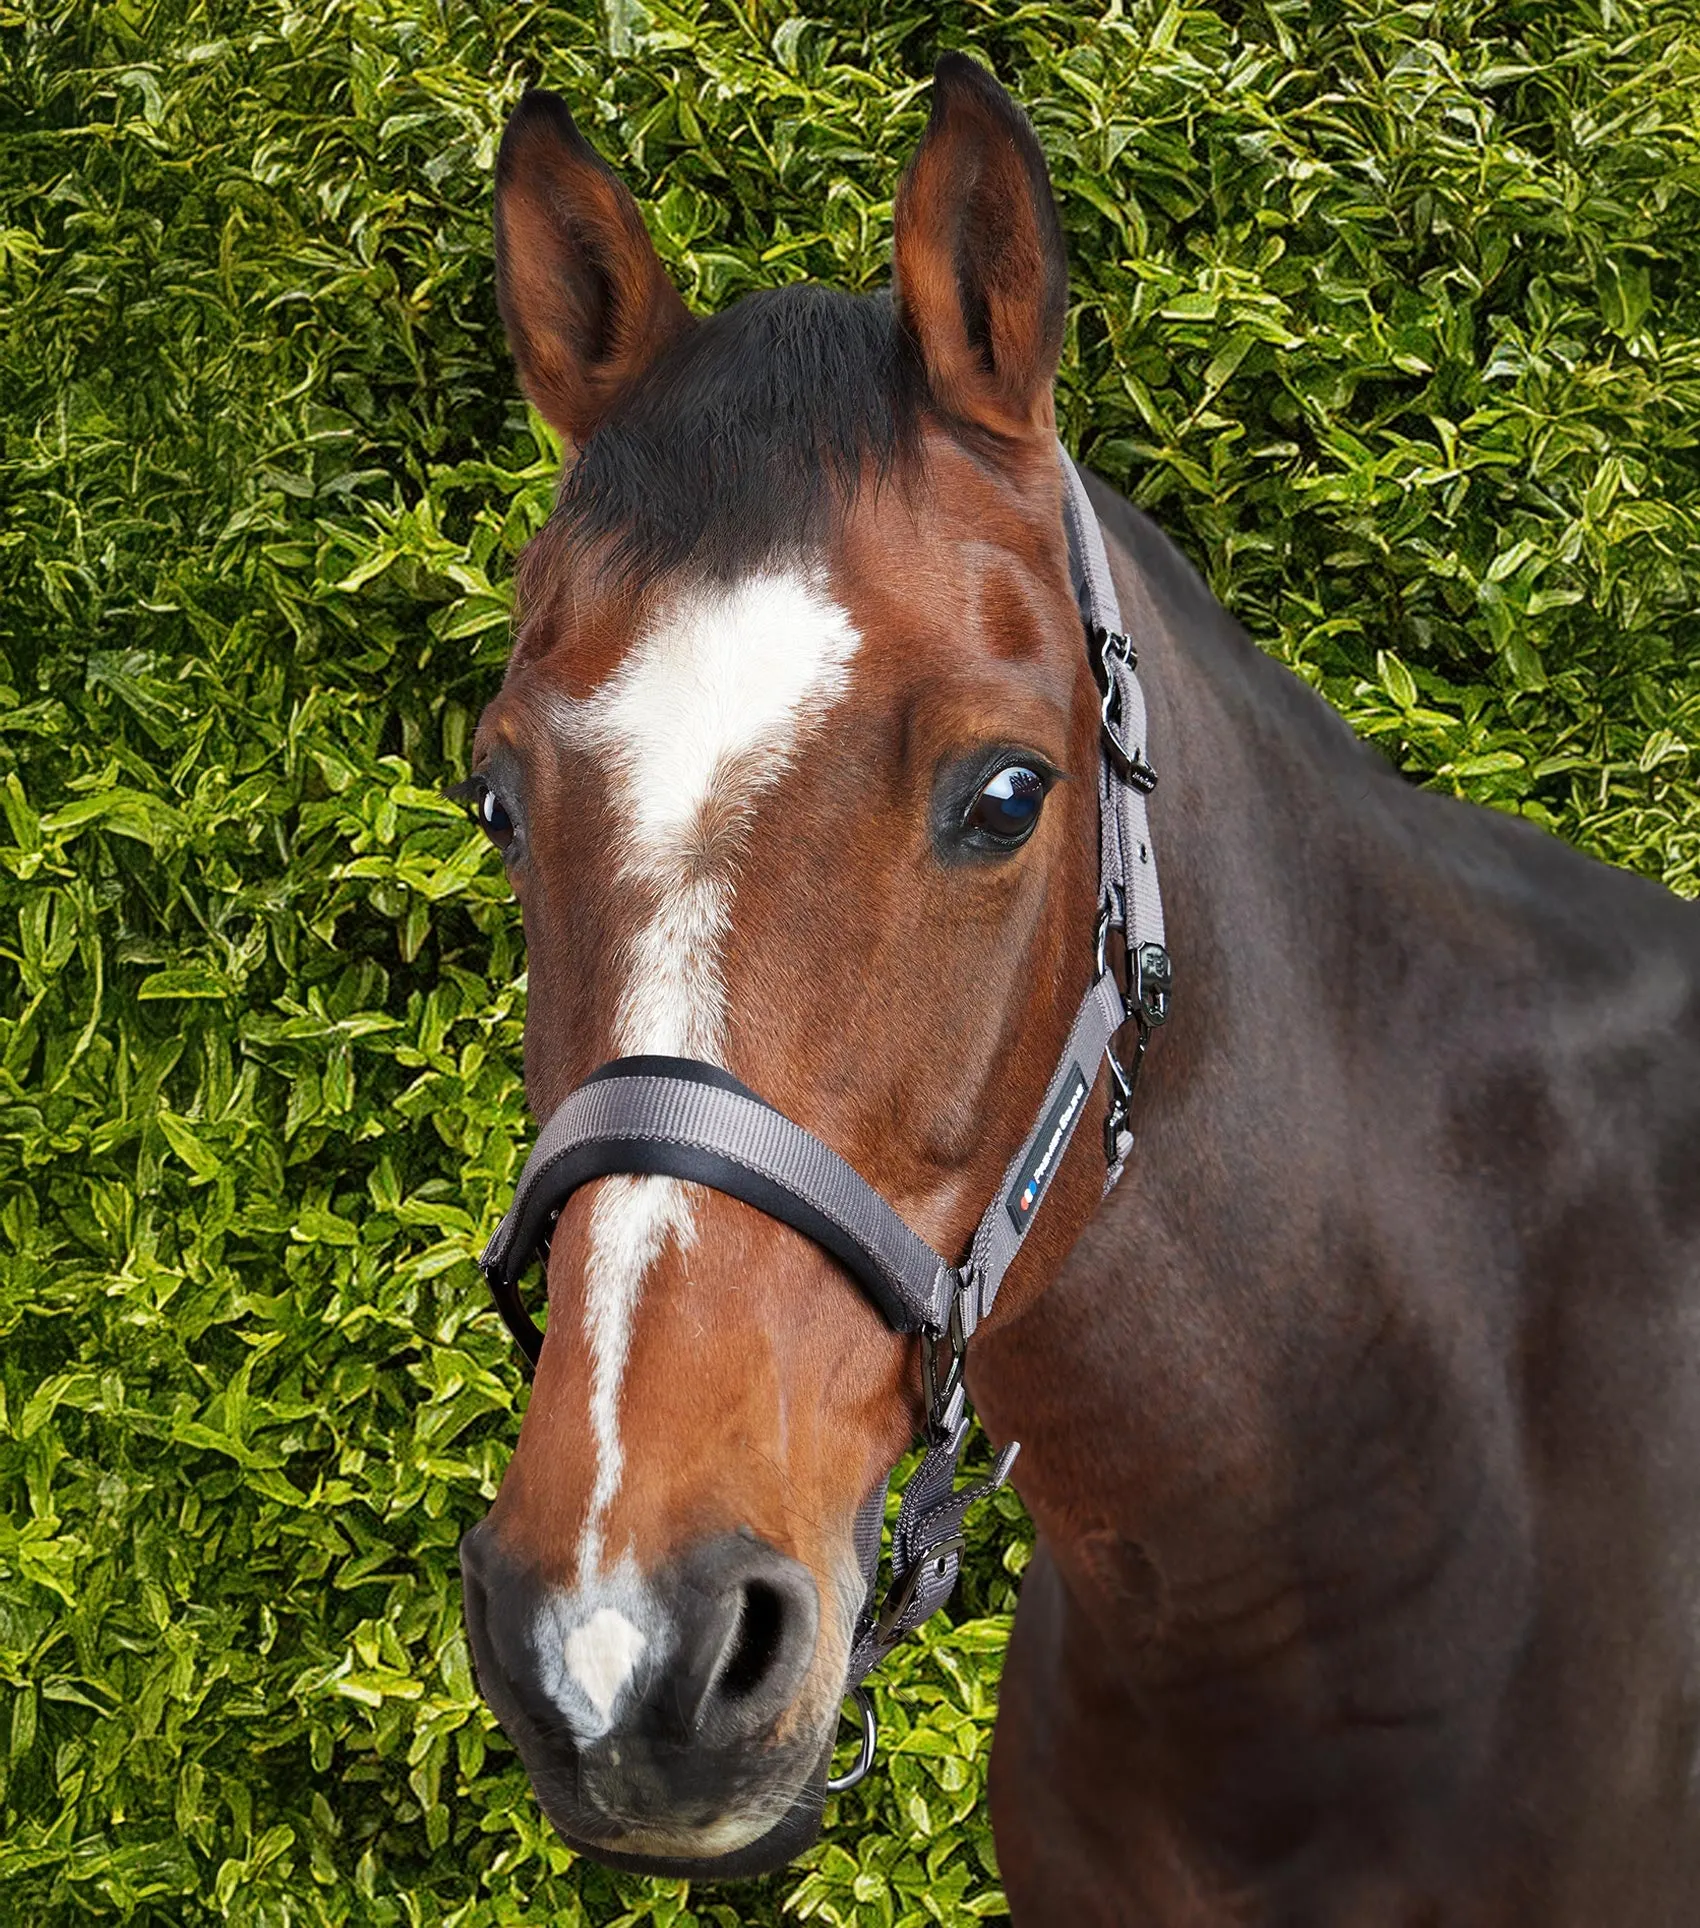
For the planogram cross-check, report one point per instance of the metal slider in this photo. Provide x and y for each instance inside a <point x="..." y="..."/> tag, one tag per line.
<point x="945" y="1393"/>
<point x="888" y="1628"/>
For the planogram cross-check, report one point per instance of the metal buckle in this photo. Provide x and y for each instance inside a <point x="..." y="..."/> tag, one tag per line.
<point x="1110" y="718"/>
<point x="896" y="1604"/>
<point x="1112" y="915"/>
<point x="1121" y="1100"/>
<point x="1153" y="981"/>
<point x="1114" y="648"/>
<point x="946" y="1397"/>
<point x="1140" y="773"/>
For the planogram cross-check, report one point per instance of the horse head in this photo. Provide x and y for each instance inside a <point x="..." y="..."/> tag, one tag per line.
<point x="793" y="771"/>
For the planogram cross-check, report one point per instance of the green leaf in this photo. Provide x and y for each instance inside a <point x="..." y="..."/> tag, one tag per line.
<point x="315" y="1225"/>
<point x="1626" y="293"/>
<point x="183" y="981"/>
<point x="1488" y="763"/>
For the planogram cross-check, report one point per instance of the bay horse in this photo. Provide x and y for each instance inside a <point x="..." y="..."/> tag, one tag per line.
<point x="1361" y="1423"/>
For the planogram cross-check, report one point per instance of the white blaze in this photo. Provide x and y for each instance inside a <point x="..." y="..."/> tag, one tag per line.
<point x="704" y="712"/>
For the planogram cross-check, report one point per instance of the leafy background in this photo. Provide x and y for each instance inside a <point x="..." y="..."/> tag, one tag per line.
<point x="1391" y="314"/>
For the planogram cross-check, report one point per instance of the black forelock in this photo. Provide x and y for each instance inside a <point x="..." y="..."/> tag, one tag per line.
<point x="748" y="435"/>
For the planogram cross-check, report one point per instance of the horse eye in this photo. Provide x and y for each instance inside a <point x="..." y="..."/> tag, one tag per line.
<point x="493" y="818"/>
<point x="1008" y="807"/>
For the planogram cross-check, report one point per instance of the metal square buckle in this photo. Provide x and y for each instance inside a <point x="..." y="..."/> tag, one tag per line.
<point x="945" y="1394"/>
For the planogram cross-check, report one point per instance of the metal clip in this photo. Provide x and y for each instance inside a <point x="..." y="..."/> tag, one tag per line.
<point x="1138" y="772"/>
<point x="1110" y="716"/>
<point x="1114" y="649"/>
<point x="1112" y="915"/>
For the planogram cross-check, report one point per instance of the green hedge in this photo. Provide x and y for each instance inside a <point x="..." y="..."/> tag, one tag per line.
<point x="1391" y="314"/>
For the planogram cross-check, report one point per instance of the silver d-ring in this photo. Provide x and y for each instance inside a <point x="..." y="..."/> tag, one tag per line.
<point x="838" y="1783"/>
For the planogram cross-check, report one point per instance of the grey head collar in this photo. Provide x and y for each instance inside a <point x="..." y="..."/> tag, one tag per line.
<point x="686" y="1119"/>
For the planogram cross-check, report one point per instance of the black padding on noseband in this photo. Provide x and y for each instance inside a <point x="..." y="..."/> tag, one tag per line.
<point x="654" y="1065"/>
<point x="527" y="1335"/>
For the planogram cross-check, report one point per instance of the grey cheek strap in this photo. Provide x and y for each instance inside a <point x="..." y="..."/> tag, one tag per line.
<point x="688" y="1120"/>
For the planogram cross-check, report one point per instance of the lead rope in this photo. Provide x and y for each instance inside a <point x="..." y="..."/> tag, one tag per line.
<point x="927" y="1539"/>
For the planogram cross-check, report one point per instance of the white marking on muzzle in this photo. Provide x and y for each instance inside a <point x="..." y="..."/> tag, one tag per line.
<point x="601" y="1655"/>
<point x="704" y="713"/>
<point x="590" y="1642"/>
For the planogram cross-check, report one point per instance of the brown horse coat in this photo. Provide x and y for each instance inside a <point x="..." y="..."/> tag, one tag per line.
<point x="1361" y="1425"/>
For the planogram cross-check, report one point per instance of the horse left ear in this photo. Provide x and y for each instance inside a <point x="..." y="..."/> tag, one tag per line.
<point x="979" y="267"/>
<point x="584" y="298"/>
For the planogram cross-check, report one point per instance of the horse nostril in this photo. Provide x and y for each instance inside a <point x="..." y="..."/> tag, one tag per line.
<point x="756" y="1644"/>
<point x="748" y="1615"/>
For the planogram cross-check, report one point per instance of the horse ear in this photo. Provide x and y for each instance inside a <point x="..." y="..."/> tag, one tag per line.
<point x="980" y="272"/>
<point x="584" y="298"/>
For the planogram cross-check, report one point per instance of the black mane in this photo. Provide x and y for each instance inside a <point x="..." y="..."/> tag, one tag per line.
<point x="748" y="435"/>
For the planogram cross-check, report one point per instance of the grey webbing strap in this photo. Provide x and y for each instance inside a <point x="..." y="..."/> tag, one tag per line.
<point x="674" y="1117"/>
<point x="1133" y="867"/>
<point x="926" y="1546"/>
<point x="1015" y="1204"/>
<point x="1088" y="559"/>
<point x="1125" y="857"/>
<point x="1127" y="864"/>
<point x="1127" y="877"/>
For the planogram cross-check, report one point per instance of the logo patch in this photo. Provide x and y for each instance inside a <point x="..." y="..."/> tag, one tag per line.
<point x="1048" y="1148"/>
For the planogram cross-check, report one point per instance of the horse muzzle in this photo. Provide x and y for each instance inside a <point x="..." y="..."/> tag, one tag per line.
<point x="662" y="1718"/>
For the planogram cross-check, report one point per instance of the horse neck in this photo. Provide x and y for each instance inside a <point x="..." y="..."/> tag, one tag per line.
<point x="1267" y="1372"/>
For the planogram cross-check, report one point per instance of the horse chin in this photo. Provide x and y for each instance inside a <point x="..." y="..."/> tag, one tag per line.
<point x="724" y="1850"/>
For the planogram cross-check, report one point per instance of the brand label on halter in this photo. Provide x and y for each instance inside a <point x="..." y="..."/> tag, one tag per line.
<point x="1049" y="1144"/>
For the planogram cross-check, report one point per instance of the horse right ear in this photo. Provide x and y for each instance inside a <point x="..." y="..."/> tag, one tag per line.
<point x="979" y="269"/>
<point x="584" y="298"/>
